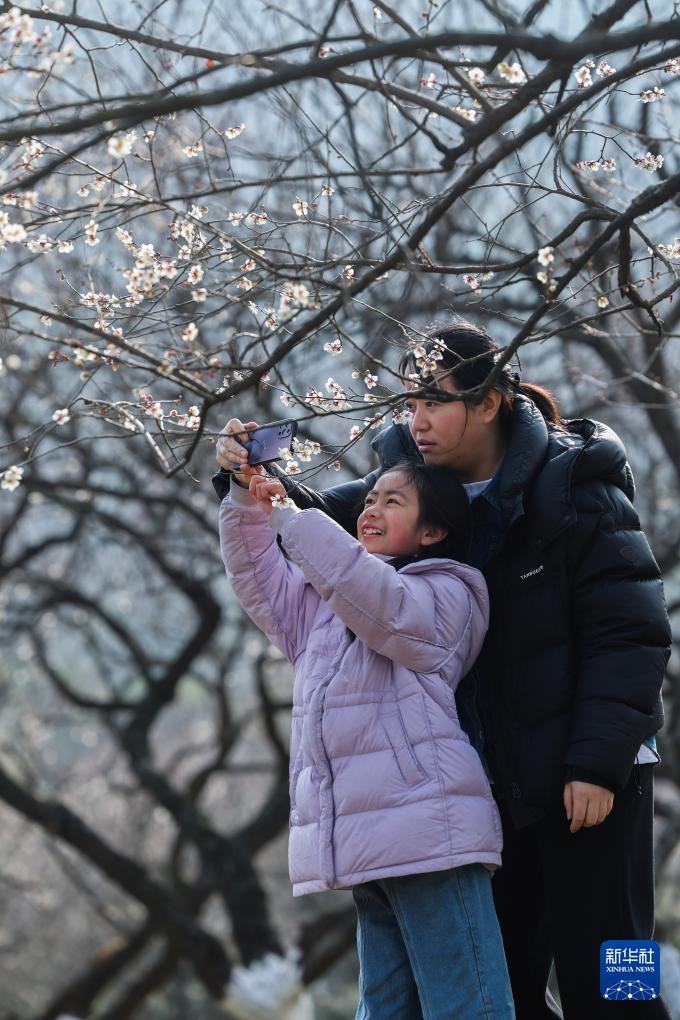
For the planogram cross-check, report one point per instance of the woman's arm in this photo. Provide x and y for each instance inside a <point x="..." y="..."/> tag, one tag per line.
<point x="426" y="621"/>
<point x="272" y="591"/>
<point x="621" y="639"/>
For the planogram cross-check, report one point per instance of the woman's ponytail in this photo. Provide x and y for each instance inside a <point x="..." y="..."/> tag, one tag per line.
<point x="544" y="400"/>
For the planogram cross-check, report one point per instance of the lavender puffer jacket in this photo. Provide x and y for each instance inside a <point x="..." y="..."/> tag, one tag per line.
<point x="383" y="781"/>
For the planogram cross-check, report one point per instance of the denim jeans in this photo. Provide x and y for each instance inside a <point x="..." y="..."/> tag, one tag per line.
<point x="430" y="948"/>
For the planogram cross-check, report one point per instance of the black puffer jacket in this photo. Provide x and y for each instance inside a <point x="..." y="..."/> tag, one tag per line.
<point x="567" y="685"/>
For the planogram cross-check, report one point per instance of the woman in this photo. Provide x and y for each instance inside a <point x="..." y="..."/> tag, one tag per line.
<point x="563" y="702"/>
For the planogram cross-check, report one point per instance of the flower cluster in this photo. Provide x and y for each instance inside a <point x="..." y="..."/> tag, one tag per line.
<point x="671" y="251"/>
<point x="148" y="271"/>
<point x="294" y="296"/>
<point x="467" y="113"/>
<point x="648" y="162"/>
<point x="512" y="73"/>
<point x="426" y="359"/>
<point x="608" y="164"/>
<point x="401" y="415"/>
<point x="306" y="449"/>
<point x="651" y="95"/>
<point x="583" y="76"/>
<point x="10" y="479"/>
<point x="339" y="400"/>
<point x="18" y="30"/>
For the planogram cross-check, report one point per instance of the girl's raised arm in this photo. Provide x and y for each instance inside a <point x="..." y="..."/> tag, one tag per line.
<point x="273" y="592"/>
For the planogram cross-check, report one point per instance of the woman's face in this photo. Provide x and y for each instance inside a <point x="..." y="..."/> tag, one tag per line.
<point x="389" y="524"/>
<point x="454" y="434"/>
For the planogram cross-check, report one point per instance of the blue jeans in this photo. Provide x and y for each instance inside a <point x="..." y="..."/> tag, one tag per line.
<point x="430" y="948"/>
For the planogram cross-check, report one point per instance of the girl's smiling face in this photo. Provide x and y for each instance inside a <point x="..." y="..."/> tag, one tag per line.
<point x="390" y="521"/>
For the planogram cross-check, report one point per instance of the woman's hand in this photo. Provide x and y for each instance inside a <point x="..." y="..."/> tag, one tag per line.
<point x="233" y="455"/>
<point x="263" y="488"/>
<point x="586" y="804"/>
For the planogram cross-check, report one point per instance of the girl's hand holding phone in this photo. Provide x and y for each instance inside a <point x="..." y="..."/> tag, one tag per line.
<point x="232" y="455"/>
<point x="263" y="488"/>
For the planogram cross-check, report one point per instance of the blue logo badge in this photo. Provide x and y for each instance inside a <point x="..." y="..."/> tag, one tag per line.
<point x="630" y="970"/>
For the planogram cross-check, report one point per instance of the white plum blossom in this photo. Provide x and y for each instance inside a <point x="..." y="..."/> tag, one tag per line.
<point x="65" y="247"/>
<point x="195" y="275"/>
<point x="466" y="112"/>
<point x="125" y="237"/>
<point x="334" y="347"/>
<point x="190" y="332"/>
<point x="670" y="251"/>
<point x="257" y="219"/>
<point x="300" y="207"/>
<point x="12" y="233"/>
<point x="235" y="131"/>
<point x="279" y="502"/>
<point x="648" y="162"/>
<point x="348" y="273"/>
<point x="42" y="243"/>
<point x="10" y="479"/>
<point x="430" y="82"/>
<point x="401" y="415"/>
<point x="512" y="73"/>
<point x="602" y="301"/>
<point x="61" y="416"/>
<point x="476" y="75"/>
<point x="327" y="191"/>
<point x="545" y="256"/>
<point x="605" y="69"/>
<point x="191" y="151"/>
<point x="583" y="77"/>
<point x="91" y="234"/>
<point x="121" y="145"/>
<point x="471" y="280"/>
<point x="608" y="164"/>
<point x="673" y="66"/>
<point x="306" y="450"/>
<point x="651" y="95"/>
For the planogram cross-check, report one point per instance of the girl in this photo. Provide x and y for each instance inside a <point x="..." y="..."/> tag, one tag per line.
<point x="564" y="700"/>
<point x="388" y="797"/>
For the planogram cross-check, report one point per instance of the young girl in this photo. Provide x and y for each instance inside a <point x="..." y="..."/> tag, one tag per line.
<point x="388" y="797"/>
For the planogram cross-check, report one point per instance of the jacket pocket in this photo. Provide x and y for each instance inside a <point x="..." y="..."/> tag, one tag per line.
<point x="395" y="731"/>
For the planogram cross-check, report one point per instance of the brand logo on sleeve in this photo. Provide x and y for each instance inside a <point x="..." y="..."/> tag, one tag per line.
<point x="629" y="970"/>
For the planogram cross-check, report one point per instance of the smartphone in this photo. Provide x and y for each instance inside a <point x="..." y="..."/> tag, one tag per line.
<point x="263" y="444"/>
